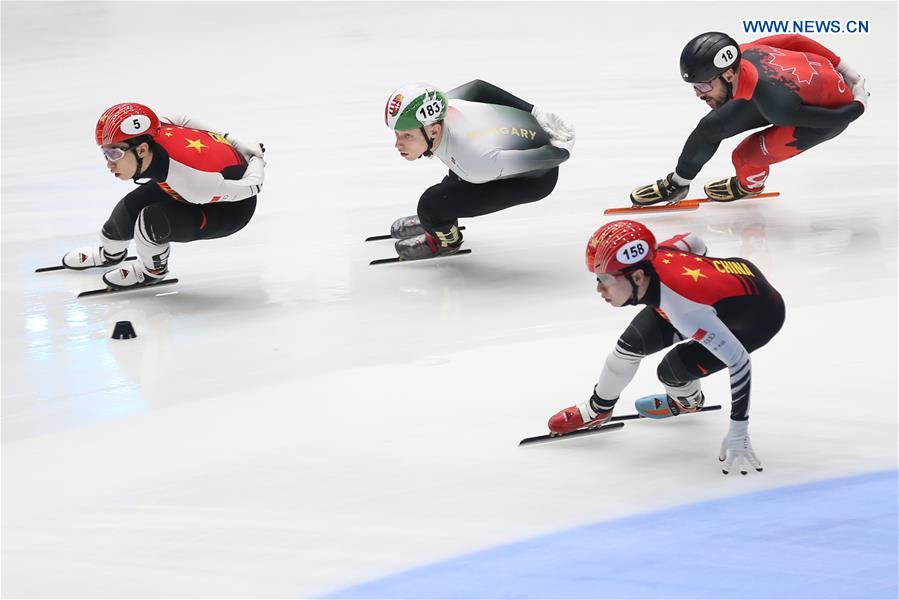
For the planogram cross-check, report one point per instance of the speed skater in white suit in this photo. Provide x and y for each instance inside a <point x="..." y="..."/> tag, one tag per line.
<point x="501" y="151"/>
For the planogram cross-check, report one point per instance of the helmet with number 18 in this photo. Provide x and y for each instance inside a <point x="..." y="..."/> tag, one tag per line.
<point x="707" y="56"/>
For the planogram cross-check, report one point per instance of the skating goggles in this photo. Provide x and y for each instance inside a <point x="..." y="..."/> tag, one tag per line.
<point x="607" y="279"/>
<point x="113" y="153"/>
<point x="703" y="87"/>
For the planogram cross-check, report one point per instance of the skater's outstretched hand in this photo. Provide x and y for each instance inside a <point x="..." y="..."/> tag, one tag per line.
<point x="736" y="450"/>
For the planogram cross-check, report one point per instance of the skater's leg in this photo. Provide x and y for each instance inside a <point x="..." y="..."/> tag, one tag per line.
<point x="454" y="198"/>
<point x="647" y="334"/>
<point x="117" y="231"/>
<point x="754" y="155"/>
<point x="170" y="221"/>
<point x="441" y="206"/>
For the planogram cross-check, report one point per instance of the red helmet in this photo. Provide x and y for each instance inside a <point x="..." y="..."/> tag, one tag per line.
<point x="125" y="121"/>
<point x="619" y="245"/>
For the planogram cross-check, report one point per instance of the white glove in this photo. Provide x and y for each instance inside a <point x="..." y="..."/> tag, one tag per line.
<point x="859" y="93"/>
<point x="255" y="173"/>
<point x="736" y="449"/>
<point x="561" y="134"/>
<point x="566" y="144"/>
<point x="255" y="149"/>
<point x="850" y="75"/>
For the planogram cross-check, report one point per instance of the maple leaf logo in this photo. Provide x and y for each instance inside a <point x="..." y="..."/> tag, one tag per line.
<point x="796" y="64"/>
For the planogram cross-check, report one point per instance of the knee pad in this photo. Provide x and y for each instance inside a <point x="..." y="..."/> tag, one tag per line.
<point x="153" y="225"/>
<point x="672" y="371"/>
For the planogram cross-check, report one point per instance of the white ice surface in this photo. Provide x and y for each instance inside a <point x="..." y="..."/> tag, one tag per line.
<point x="290" y="420"/>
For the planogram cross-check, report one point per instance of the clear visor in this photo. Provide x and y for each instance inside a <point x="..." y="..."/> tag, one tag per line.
<point x="703" y="87"/>
<point x="113" y="153"/>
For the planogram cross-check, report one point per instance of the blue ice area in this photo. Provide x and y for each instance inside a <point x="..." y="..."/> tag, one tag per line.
<point x="830" y="539"/>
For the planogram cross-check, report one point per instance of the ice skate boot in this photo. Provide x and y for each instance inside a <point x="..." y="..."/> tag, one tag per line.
<point x="584" y="415"/>
<point x="406" y="227"/>
<point x="729" y="189"/>
<point x="662" y="406"/>
<point x="663" y="190"/>
<point x="95" y="256"/>
<point x="133" y="275"/>
<point x="428" y="245"/>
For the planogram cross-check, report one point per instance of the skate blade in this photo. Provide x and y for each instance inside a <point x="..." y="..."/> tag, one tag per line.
<point x="554" y="437"/>
<point x="397" y="259"/>
<point x="109" y="290"/>
<point x="683" y="205"/>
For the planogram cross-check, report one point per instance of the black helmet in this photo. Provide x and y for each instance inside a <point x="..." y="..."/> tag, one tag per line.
<point x="707" y="56"/>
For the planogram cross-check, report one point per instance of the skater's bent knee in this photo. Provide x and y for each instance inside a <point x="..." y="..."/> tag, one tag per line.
<point x="673" y="372"/>
<point x="154" y="224"/>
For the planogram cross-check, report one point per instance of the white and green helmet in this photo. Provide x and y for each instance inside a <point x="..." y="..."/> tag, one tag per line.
<point x="415" y="105"/>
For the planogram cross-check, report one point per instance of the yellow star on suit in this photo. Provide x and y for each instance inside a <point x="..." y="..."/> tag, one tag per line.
<point x="694" y="273"/>
<point x="196" y="144"/>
